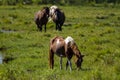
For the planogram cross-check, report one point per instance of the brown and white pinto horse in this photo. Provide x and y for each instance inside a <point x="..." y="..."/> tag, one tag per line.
<point x="58" y="17"/>
<point x="41" y="18"/>
<point x="64" y="48"/>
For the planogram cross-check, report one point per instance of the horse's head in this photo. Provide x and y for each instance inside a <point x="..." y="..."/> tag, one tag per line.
<point x="79" y="56"/>
<point x="79" y="61"/>
<point x="52" y="10"/>
<point x="73" y="49"/>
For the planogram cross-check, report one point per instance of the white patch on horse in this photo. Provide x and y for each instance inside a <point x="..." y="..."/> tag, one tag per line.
<point x="69" y="39"/>
<point x="58" y="41"/>
<point x="52" y="9"/>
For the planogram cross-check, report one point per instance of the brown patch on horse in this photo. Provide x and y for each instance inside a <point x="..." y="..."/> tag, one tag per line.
<point x="56" y="48"/>
<point x="64" y="48"/>
<point x="41" y="18"/>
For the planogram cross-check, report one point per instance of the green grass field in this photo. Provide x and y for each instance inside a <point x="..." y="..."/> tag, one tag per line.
<point x="96" y="31"/>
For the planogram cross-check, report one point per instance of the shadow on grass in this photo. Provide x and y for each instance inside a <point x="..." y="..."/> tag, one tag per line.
<point x="86" y="69"/>
<point x="83" y="69"/>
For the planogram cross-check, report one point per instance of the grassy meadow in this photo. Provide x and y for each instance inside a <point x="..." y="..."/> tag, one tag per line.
<point x="96" y="31"/>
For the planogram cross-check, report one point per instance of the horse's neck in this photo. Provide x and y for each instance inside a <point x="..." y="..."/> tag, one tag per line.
<point x="76" y="50"/>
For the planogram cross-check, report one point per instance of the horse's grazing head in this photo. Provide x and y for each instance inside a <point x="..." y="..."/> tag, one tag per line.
<point x="72" y="45"/>
<point x="52" y="9"/>
<point x="79" y="56"/>
<point x="79" y="61"/>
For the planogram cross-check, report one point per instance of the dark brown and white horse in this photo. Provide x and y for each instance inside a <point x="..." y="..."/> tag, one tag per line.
<point x="41" y="18"/>
<point x="57" y="16"/>
<point x="64" y="48"/>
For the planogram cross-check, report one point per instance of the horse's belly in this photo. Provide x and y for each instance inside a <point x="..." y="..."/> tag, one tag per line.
<point x="60" y="52"/>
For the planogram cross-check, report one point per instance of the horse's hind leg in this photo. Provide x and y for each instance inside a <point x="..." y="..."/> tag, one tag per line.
<point x="60" y="27"/>
<point x="51" y="59"/>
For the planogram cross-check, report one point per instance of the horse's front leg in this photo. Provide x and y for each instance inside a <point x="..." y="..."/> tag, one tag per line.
<point x="66" y="65"/>
<point x="60" y="62"/>
<point x="59" y="27"/>
<point x="70" y="64"/>
<point x="56" y="26"/>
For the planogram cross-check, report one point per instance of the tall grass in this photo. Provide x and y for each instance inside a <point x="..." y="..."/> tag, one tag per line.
<point x="95" y="29"/>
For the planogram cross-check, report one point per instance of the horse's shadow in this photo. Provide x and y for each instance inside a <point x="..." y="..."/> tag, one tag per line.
<point x="83" y="69"/>
<point x="86" y="69"/>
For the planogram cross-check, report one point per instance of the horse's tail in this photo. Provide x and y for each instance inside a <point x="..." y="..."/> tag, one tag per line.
<point x="51" y="58"/>
<point x="51" y="53"/>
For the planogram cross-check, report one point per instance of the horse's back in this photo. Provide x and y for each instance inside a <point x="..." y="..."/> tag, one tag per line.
<point x="57" y="45"/>
<point x="41" y="16"/>
<point x="54" y="39"/>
